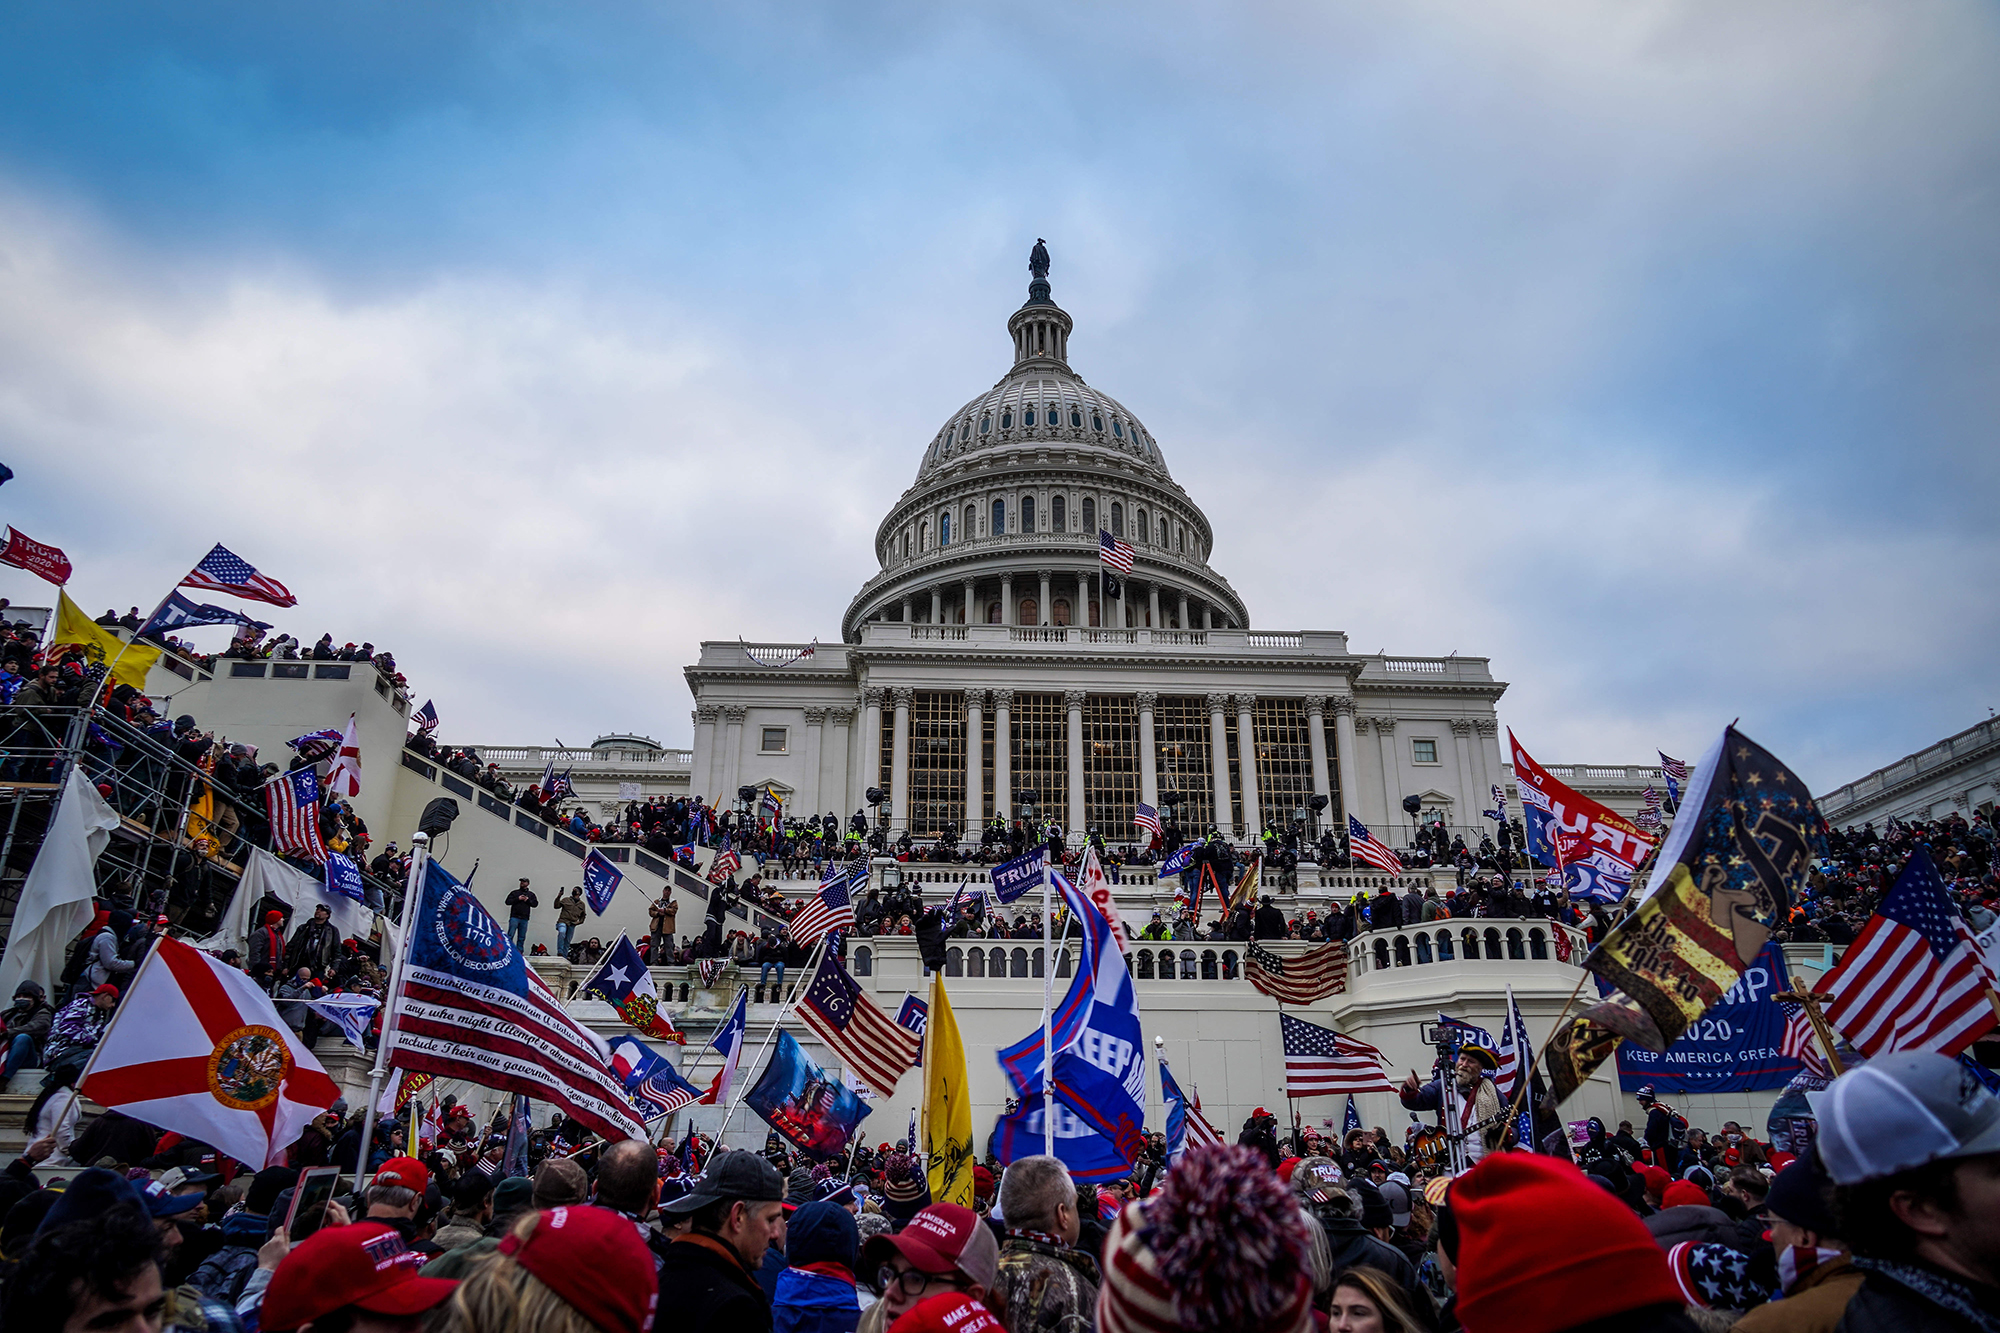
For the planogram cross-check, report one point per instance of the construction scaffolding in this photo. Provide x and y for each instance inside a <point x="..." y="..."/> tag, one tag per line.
<point x="183" y="836"/>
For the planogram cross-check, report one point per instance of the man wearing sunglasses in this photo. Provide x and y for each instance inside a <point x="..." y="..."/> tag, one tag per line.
<point x="944" y="1249"/>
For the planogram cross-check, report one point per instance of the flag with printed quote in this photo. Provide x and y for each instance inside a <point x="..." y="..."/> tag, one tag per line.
<point x="1708" y="899"/>
<point x="625" y="983"/>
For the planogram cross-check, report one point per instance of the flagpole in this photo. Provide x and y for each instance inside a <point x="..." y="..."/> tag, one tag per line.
<point x="812" y="966"/>
<point x="420" y="856"/>
<point x="1048" y="1005"/>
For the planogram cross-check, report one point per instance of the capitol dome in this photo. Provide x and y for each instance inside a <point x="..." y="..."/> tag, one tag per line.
<point x="1001" y="524"/>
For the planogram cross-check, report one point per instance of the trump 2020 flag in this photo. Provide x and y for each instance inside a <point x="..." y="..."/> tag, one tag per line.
<point x="600" y="880"/>
<point x="343" y="876"/>
<point x="197" y="1048"/>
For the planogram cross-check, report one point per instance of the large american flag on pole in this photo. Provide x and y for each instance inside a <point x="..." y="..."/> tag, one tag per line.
<point x="871" y="1043"/>
<point x="1146" y="817"/>
<point x="1116" y="554"/>
<point x="1361" y="843"/>
<point x="292" y="802"/>
<point x="829" y="909"/>
<point x="222" y="570"/>
<point x="470" y="1007"/>
<point x="1914" y="979"/>
<point x="1306" y="979"/>
<point x="1320" y="1062"/>
<point x="724" y="865"/>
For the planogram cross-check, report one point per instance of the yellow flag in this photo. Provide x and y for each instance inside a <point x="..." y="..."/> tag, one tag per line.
<point x="947" y="1103"/>
<point x="1246" y="892"/>
<point x="73" y="626"/>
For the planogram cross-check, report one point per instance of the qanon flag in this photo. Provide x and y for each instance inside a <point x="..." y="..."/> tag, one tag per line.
<point x="1603" y="848"/>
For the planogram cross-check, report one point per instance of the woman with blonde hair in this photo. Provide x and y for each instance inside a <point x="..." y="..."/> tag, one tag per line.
<point x="1367" y="1300"/>
<point x="567" y="1270"/>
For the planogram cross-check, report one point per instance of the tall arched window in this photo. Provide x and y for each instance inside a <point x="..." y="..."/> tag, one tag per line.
<point x="1031" y="611"/>
<point x="993" y="613"/>
<point x="1117" y="519"/>
<point x="1060" y="614"/>
<point x="971" y="521"/>
<point x="1057" y="517"/>
<point x="906" y="546"/>
<point x="944" y="528"/>
<point x="1182" y="534"/>
<point x="1027" y="513"/>
<point x="999" y="517"/>
<point x="1140" y="529"/>
<point x="924" y="536"/>
<point x="1163" y="534"/>
<point x="1089" y="514"/>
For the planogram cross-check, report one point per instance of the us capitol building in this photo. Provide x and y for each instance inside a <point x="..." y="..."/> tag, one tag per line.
<point x="984" y="668"/>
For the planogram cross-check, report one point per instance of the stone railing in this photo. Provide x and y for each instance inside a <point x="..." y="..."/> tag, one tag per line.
<point x="538" y="756"/>
<point x="1466" y="939"/>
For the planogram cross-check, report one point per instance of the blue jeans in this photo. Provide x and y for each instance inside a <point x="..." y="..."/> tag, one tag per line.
<point x="764" y="972"/>
<point x="562" y="938"/>
<point x="517" y="932"/>
<point x="22" y="1053"/>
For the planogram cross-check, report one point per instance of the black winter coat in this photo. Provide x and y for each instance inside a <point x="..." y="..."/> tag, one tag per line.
<point x="1353" y="1245"/>
<point x="709" y="1293"/>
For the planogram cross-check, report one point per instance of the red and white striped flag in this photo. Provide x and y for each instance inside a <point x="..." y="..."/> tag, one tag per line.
<point x="871" y="1043"/>
<point x="1800" y="1043"/>
<point x="222" y="570"/>
<point x="1306" y="979"/>
<point x="344" y="778"/>
<point x="1320" y="1062"/>
<point x="829" y="909"/>
<point x="1361" y="843"/>
<point x="724" y="865"/>
<point x="292" y="802"/>
<point x="1914" y="979"/>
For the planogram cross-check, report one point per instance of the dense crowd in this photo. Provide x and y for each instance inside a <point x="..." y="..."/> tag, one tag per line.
<point x="1888" y="1224"/>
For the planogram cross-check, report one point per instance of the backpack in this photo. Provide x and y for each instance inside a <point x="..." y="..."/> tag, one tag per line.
<point x="79" y="959"/>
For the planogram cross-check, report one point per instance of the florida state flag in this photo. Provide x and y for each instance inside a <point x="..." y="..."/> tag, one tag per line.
<point x="197" y="1048"/>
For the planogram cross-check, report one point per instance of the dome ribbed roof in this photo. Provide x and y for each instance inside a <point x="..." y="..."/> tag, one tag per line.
<point x="998" y="420"/>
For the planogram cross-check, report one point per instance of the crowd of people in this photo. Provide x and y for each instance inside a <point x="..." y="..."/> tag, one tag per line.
<point x="1888" y="1224"/>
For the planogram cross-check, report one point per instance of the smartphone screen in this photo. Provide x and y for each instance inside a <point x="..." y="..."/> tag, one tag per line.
<point x="309" y="1200"/>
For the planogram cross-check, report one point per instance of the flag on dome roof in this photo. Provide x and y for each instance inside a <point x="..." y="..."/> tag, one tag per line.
<point x="1114" y="553"/>
<point x="222" y="570"/>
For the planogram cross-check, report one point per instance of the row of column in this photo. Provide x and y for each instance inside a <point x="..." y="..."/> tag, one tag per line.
<point x="1317" y="706"/>
<point x="1045" y="606"/>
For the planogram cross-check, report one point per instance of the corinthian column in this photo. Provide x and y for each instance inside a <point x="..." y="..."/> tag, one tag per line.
<point x="899" y="762"/>
<point x="1073" y="700"/>
<point x="975" y="799"/>
<point x="1246" y="755"/>
<point x="1316" y="737"/>
<point x="1344" y="764"/>
<point x="1003" y="756"/>
<point x="1149" y="765"/>
<point x="1218" y="749"/>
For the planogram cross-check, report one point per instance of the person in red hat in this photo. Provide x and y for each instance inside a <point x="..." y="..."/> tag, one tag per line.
<point x="267" y="948"/>
<point x="945" y="1249"/>
<point x="360" y="1277"/>
<point x="568" y="1270"/>
<point x="1540" y="1249"/>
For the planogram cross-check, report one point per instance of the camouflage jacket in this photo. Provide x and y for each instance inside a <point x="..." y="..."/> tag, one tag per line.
<point x="1045" y="1286"/>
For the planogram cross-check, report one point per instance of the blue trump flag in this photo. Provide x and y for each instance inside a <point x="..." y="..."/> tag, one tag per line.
<point x="1352" y="1120"/>
<point x="1013" y="878"/>
<point x="1099" y="1070"/>
<point x="1180" y="860"/>
<point x="1088" y="1155"/>
<point x="343" y="876"/>
<point x="1736" y="1046"/>
<point x="600" y="880"/>
<point x="179" y="612"/>
<point x="814" y="1113"/>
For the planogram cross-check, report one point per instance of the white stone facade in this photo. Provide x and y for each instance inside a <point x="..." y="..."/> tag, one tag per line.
<point x="1959" y="775"/>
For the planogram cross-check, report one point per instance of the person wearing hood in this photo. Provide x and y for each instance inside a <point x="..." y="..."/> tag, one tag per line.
<point x="816" y="1291"/>
<point x="105" y="963"/>
<point x="222" y="1276"/>
<point x="28" y="1021"/>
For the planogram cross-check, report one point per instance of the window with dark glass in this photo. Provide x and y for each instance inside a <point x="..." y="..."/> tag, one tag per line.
<point x="1096" y="421"/>
<point x="999" y="517"/>
<point x="1117" y="429"/>
<point x="1058" y="517"/>
<point x="985" y="425"/>
<point x="1027" y="513"/>
<point x="1089" y="514"/>
<point x="1028" y="417"/>
<point x="1117" y="519"/>
<point x="944" y="529"/>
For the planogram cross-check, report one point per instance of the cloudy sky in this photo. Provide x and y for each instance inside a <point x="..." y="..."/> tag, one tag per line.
<point x="1646" y="348"/>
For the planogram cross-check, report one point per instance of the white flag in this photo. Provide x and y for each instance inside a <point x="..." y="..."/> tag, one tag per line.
<point x="55" y="899"/>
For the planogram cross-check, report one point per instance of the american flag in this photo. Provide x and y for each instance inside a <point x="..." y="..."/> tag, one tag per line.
<point x="1801" y="1043"/>
<point x="1319" y="1062"/>
<point x="855" y="1028"/>
<point x="222" y="570"/>
<point x="1676" y="773"/>
<point x="829" y="909"/>
<point x="426" y="717"/>
<point x="724" y="865"/>
<point x="1113" y="552"/>
<point x="1306" y="979"/>
<point x="1914" y="979"/>
<point x="1516" y="1052"/>
<point x="1146" y="817"/>
<point x="292" y="801"/>
<point x="1361" y="843"/>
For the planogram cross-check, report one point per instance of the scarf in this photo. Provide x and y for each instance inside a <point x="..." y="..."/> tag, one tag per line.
<point x="1797" y="1262"/>
<point x="1944" y="1292"/>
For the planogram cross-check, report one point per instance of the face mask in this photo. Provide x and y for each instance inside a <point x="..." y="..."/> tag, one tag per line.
<point x="1798" y="1260"/>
